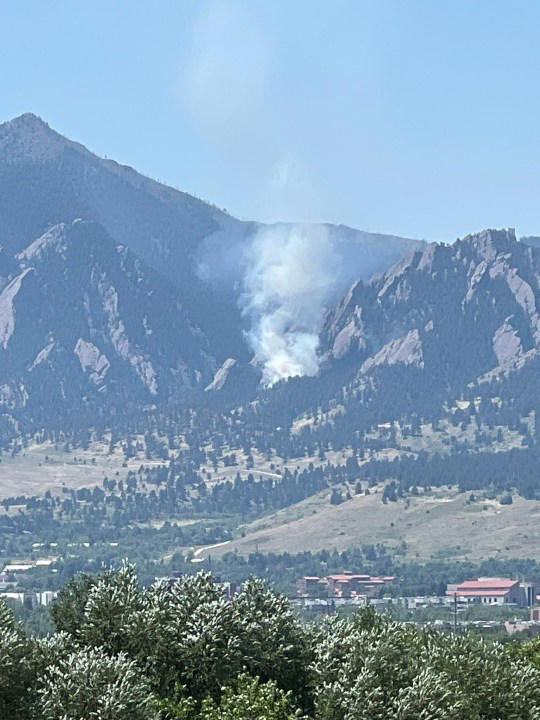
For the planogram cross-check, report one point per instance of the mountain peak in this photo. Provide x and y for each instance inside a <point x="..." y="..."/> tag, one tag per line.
<point x="28" y="120"/>
<point x="489" y="243"/>
<point x="29" y="138"/>
<point x="58" y="237"/>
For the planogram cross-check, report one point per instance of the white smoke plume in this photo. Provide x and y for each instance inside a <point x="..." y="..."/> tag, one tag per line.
<point x="289" y="274"/>
<point x="284" y="276"/>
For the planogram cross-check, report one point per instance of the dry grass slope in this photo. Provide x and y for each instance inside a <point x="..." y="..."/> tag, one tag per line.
<point x="440" y="524"/>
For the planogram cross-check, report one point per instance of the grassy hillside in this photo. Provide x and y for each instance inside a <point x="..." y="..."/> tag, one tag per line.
<point x="439" y="524"/>
<point x="40" y="467"/>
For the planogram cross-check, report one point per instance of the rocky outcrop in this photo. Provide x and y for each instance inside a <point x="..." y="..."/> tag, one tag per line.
<point x="92" y="361"/>
<point x="507" y="343"/>
<point x="83" y="316"/>
<point x="7" y="311"/>
<point x="456" y="312"/>
<point x="221" y="376"/>
<point x="406" y="351"/>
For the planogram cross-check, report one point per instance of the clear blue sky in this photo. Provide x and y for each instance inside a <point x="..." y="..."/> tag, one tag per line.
<point x="420" y="118"/>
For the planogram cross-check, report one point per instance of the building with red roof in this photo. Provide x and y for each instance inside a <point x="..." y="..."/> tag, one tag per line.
<point x="345" y="584"/>
<point x="487" y="590"/>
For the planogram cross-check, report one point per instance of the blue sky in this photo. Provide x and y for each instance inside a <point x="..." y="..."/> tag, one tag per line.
<point x="420" y="118"/>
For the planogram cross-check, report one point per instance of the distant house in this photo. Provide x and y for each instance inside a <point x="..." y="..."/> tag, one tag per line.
<point x="312" y="586"/>
<point x="489" y="591"/>
<point x="17" y="567"/>
<point x="345" y="584"/>
<point x="33" y="599"/>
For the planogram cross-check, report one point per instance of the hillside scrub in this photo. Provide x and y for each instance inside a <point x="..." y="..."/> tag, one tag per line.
<point x="180" y="650"/>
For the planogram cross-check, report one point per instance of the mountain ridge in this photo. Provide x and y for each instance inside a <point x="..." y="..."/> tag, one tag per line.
<point x="68" y="336"/>
<point x="47" y="179"/>
<point x="435" y="320"/>
<point x="440" y="324"/>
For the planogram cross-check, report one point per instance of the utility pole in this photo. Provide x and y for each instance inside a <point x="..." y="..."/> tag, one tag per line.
<point x="455" y="613"/>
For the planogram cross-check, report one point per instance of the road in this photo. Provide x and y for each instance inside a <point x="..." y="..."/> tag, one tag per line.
<point x="209" y="547"/>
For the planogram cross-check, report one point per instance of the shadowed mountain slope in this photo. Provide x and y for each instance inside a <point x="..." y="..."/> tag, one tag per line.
<point x="46" y="179"/>
<point x="438" y="320"/>
<point x="84" y="323"/>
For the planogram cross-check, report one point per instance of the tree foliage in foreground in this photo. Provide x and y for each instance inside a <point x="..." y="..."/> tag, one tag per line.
<point x="182" y="652"/>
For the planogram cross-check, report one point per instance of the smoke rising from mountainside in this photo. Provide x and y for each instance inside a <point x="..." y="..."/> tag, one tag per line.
<point x="289" y="274"/>
<point x="284" y="276"/>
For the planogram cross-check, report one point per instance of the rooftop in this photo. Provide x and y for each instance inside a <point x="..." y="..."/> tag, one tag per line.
<point x="487" y="584"/>
<point x="482" y="593"/>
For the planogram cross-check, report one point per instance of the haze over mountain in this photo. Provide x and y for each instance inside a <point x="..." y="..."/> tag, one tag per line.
<point x="216" y="270"/>
<point x="118" y="291"/>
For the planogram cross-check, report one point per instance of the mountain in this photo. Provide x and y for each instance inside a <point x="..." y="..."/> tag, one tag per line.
<point x="86" y="326"/>
<point x="532" y="240"/>
<point x="46" y="179"/>
<point x="439" y="320"/>
<point x="138" y="301"/>
<point x="122" y="337"/>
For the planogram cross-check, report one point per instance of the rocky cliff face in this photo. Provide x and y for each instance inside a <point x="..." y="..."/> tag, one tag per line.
<point x="83" y="320"/>
<point x="47" y="179"/>
<point x="454" y="312"/>
<point x="111" y="310"/>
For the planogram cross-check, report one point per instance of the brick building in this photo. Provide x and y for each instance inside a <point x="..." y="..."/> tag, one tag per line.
<point x="345" y="584"/>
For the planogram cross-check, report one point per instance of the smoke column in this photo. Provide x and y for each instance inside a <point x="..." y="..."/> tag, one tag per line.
<point x="289" y="274"/>
<point x="285" y="276"/>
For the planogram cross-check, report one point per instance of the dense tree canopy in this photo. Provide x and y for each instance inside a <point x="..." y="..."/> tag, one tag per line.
<point x="180" y="650"/>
